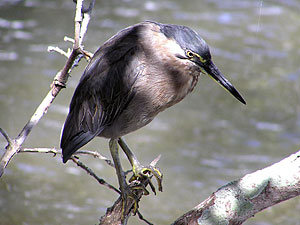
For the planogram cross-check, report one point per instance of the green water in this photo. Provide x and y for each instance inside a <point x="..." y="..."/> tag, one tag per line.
<point x="206" y="140"/>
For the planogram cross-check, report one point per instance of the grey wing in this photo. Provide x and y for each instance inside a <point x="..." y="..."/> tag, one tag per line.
<point x="104" y="91"/>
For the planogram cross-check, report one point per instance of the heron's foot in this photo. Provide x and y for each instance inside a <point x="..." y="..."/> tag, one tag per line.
<point x="142" y="173"/>
<point x="129" y="193"/>
<point x="126" y="194"/>
<point x="147" y="172"/>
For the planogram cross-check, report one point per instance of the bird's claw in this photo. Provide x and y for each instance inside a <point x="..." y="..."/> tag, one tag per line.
<point x="125" y="195"/>
<point x="136" y="185"/>
<point x="142" y="172"/>
<point x="129" y="193"/>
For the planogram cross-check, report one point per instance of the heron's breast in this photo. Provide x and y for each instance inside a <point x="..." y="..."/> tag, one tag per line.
<point x="168" y="78"/>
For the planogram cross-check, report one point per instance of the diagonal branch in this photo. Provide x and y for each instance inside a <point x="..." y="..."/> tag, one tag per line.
<point x="240" y="200"/>
<point x="14" y="146"/>
<point x="91" y="173"/>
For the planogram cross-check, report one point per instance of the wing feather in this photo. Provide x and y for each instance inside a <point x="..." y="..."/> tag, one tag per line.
<point x="104" y="91"/>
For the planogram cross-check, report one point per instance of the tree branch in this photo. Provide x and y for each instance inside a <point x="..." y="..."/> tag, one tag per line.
<point x="114" y="213"/>
<point x="77" y="162"/>
<point x="91" y="173"/>
<point x="232" y="204"/>
<point x="14" y="146"/>
<point x="58" y="152"/>
<point x="239" y="200"/>
<point x="59" y="50"/>
<point x="5" y="135"/>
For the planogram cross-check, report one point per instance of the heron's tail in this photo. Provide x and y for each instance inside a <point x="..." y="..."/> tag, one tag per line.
<point x="75" y="135"/>
<point x="74" y="143"/>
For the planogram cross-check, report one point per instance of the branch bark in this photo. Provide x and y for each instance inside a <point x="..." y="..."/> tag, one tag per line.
<point x="239" y="200"/>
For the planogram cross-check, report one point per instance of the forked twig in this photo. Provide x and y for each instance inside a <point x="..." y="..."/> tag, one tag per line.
<point x="60" y="51"/>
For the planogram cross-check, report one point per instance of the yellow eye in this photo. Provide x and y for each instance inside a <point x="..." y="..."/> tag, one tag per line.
<point x="189" y="54"/>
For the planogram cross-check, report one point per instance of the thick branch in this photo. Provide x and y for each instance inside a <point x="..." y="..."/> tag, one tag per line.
<point x="239" y="200"/>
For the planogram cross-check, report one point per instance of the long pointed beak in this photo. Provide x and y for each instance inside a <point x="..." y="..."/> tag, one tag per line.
<point x="212" y="71"/>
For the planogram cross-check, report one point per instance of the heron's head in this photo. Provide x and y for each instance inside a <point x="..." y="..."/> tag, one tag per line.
<point x="196" y="51"/>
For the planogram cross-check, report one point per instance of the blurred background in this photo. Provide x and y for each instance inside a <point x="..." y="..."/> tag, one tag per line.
<point x="206" y="141"/>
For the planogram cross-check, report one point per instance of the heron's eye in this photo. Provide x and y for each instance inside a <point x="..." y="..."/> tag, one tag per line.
<point x="189" y="54"/>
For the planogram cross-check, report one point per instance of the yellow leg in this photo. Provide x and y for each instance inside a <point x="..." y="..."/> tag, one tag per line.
<point x="138" y="169"/>
<point x="125" y="189"/>
<point x="114" y="150"/>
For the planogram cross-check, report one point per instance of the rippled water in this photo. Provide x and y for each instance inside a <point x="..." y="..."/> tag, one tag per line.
<point x="206" y="141"/>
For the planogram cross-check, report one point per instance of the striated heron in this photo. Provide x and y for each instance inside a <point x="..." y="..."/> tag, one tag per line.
<point x="139" y="72"/>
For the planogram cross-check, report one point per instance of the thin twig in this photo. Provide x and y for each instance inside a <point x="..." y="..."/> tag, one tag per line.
<point x="75" y="160"/>
<point x="86" y="19"/>
<point x="96" y="155"/>
<point x="66" y="38"/>
<point x="58" y="152"/>
<point x="41" y="150"/>
<point x="143" y="219"/>
<point x="5" y="135"/>
<point x="155" y="161"/>
<point x="59" y="50"/>
<point x="77" y="20"/>
<point x="90" y="172"/>
<point x="87" y="54"/>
